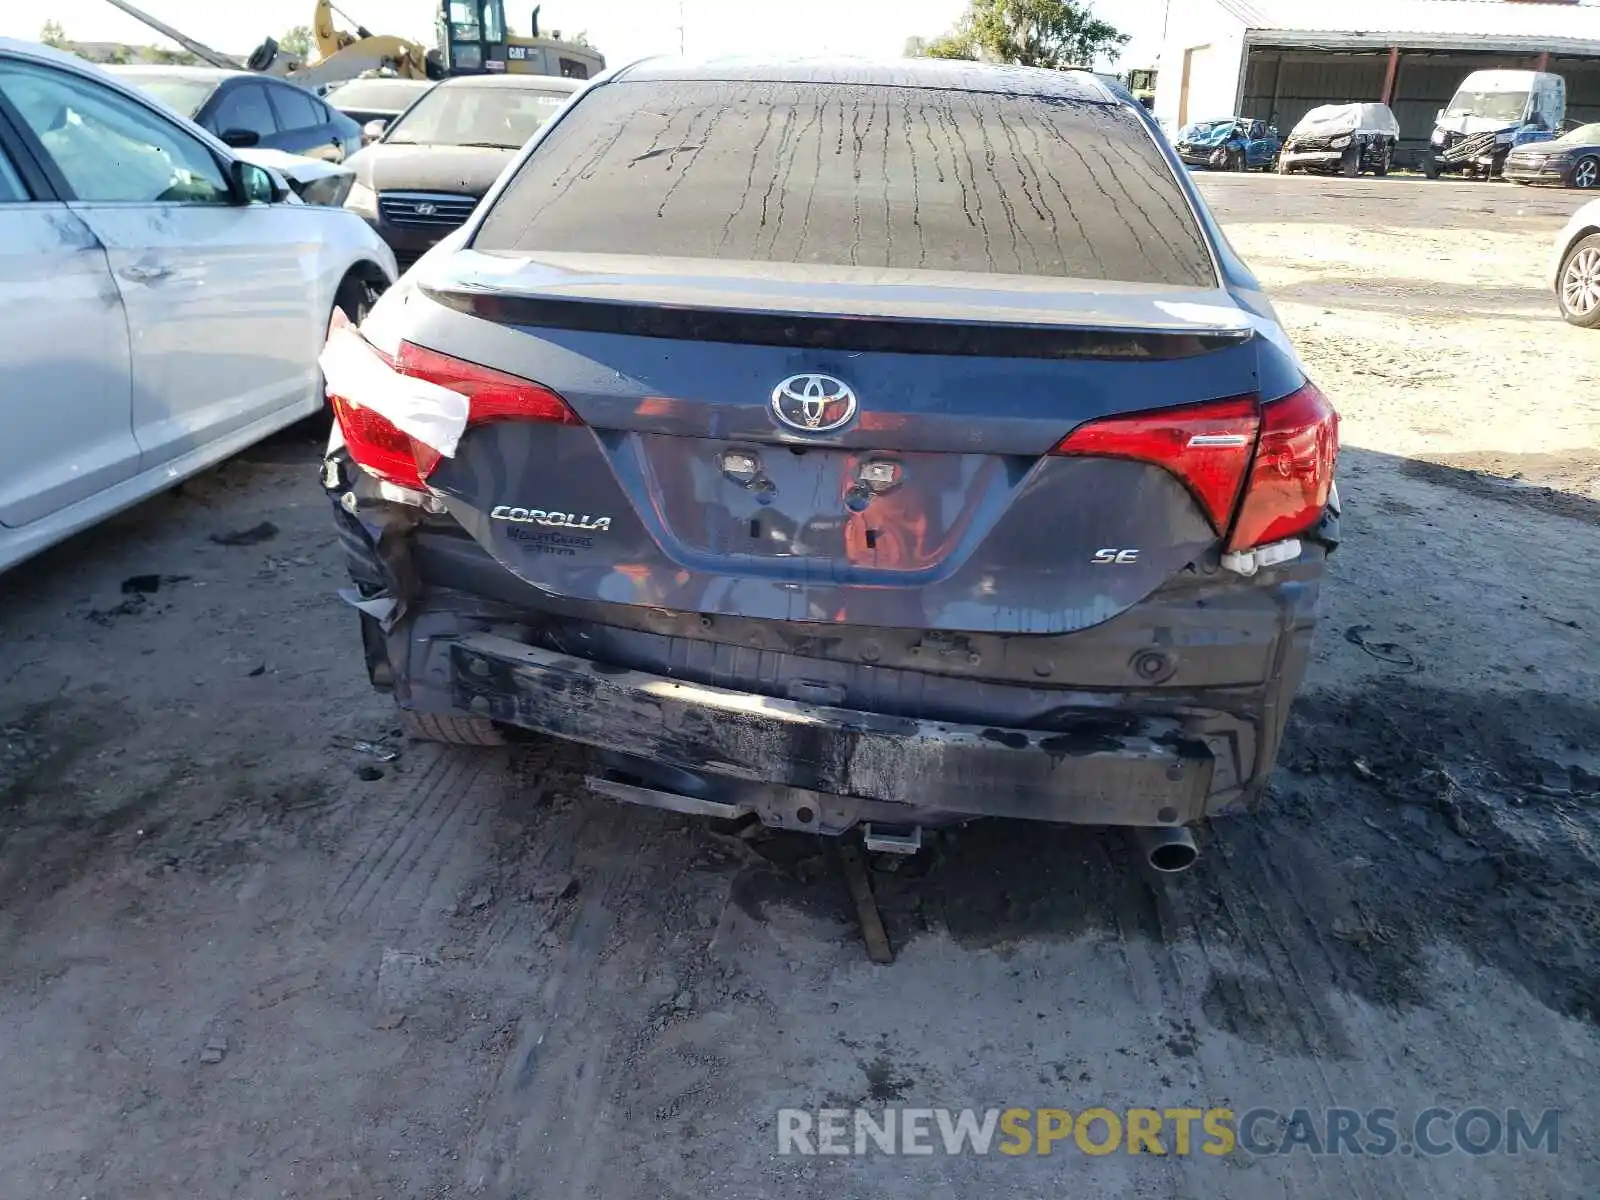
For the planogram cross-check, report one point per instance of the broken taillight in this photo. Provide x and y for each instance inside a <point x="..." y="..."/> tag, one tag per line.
<point x="1293" y="469"/>
<point x="375" y="444"/>
<point x="390" y="453"/>
<point x="492" y="395"/>
<point x="1207" y="446"/>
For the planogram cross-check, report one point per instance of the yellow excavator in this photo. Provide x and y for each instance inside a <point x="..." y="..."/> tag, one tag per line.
<point x="472" y="41"/>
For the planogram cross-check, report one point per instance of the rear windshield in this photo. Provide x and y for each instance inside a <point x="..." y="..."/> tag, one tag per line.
<point x="836" y="174"/>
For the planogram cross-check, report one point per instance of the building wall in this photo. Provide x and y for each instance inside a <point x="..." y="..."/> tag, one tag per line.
<point x="1210" y="40"/>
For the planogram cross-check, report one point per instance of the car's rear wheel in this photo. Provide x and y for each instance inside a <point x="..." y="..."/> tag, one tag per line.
<point x="1578" y="289"/>
<point x="356" y="296"/>
<point x="1350" y="162"/>
<point x="1586" y="172"/>
<point x="1385" y="160"/>
<point x="1430" y="166"/>
<point x="451" y="729"/>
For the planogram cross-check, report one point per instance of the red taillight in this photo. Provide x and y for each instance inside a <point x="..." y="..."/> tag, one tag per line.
<point x="492" y="395"/>
<point x="1207" y="446"/>
<point x="1293" y="470"/>
<point x="377" y="445"/>
<point x="392" y="454"/>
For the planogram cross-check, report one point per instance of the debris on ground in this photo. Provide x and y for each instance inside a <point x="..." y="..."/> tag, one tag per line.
<point x="148" y="585"/>
<point x="214" y="1051"/>
<point x="1390" y="652"/>
<point x="253" y="536"/>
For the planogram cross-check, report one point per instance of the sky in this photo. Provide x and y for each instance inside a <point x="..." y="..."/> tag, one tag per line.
<point x="622" y="29"/>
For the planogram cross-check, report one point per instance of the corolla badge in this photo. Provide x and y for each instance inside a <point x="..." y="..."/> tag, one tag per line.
<point x="813" y="403"/>
<point x="551" y="517"/>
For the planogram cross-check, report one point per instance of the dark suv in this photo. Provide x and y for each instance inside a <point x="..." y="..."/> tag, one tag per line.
<point x="844" y="445"/>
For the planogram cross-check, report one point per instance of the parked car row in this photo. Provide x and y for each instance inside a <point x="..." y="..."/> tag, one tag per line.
<point x="1506" y="123"/>
<point x="1347" y="138"/>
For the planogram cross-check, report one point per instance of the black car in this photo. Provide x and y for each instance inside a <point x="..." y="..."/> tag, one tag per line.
<point x="246" y="109"/>
<point x="1572" y="160"/>
<point x="427" y="173"/>
<point x="381" y="100"/>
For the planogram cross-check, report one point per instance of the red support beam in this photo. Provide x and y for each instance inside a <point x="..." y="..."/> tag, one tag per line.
<point x="1542" y="63"/>
<point x="1392" y="72"/>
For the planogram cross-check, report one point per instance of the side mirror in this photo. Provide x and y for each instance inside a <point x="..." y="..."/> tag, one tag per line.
<point x="253" y="184"/>
<point x="373" y="130"/>
<point x="240" y="139"/>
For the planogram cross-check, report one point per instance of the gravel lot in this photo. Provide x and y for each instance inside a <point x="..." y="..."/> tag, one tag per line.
<point x="244" y="954"/>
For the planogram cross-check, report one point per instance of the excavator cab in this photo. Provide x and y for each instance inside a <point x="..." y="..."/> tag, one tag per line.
<point x="472" y="36"/>
<point x="474" y="40"/>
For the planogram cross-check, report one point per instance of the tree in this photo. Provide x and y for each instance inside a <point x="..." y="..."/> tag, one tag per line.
<point x="53" y="35"/>
<point x="952" y="45"/>
<point x="1030" y="33"/>
<point x="296" y="42"/>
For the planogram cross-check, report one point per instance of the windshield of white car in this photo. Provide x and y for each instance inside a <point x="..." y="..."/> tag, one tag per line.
<point x="376" y="95"/>
<point x="476" y="116"/>
<point x="1493" y="106"/>
<point x="178" y="92"/>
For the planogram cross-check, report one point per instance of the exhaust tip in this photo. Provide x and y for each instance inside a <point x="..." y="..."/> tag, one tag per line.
<point x="1168" y="850"/>
<point x="1169" y="860"/>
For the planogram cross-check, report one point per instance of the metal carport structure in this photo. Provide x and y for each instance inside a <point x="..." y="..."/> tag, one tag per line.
<point x="1277" y="59"/>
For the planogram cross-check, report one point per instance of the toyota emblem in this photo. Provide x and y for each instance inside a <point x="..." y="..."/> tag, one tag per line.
<point x="813" y="403"/>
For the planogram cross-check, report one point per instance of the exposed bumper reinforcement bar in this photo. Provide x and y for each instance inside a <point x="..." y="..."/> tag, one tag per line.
<point x="838" y="757"/>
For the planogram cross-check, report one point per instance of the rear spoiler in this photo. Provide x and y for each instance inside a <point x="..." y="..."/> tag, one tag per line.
<point x="839" y="309"/>
<point x="811" y="331"/>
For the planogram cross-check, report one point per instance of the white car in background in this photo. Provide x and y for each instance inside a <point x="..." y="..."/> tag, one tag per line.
<point x="162" y="301"/>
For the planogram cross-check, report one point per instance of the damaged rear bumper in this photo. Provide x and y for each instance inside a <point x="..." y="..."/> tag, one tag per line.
<point x="830" y="760"/>
<point x="1169" y="712"/>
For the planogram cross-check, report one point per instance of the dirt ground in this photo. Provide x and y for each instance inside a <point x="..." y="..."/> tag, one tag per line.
<point x="245" y="953"/>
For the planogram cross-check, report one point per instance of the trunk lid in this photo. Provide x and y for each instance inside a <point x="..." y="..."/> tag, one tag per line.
<point x="702" y="481"/>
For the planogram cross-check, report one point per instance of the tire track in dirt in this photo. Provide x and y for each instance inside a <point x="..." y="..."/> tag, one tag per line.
<point x="426" y="829"/>
<point x="542" y="1131"/>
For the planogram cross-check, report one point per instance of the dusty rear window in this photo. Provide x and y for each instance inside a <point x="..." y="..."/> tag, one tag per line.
<point x="870" y="176"/>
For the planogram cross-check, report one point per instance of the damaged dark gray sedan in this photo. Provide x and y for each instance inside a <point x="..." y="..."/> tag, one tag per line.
<point x="848" y="446"/>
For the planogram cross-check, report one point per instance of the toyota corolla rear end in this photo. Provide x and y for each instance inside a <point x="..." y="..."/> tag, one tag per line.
<point x="849" y="448"/>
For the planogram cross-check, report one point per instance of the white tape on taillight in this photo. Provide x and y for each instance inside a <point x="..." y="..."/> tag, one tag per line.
<point x="356" y="373"/>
